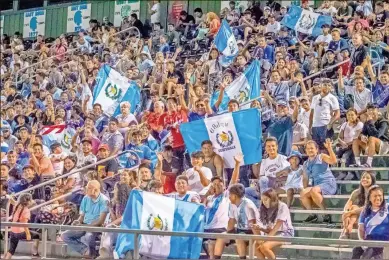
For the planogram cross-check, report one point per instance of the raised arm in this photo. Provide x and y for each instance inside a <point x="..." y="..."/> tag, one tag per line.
<point x="235" y="174"/>
<point x="331" y="157"/>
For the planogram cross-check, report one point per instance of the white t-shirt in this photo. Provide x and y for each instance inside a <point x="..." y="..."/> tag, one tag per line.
<point x="323" y="108"/>
<point x="283" y="214"/>
<point x="274" y="28"/>
<point x="194" y="178"/>
<point x="300" y="131"/>
<point x="190" y="196"/>
<point x="218" y="219"/>
<point x="361" y="99"/>
<point x="58" y="166"/>
<point x="350" y="132"/>
<point x="155" y="18"/>
<point x="243" y="213"/>
<point x="327" y="39"/>
<point x="303" y="117"/>
<point x="270" y="167"/>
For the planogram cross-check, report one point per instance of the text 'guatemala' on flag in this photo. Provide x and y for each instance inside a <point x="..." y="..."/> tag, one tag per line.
<point x="150" y="211"/>
<point x="225" y="42"/>
<point x="230" y="134"/>
<point x="112" y="88"/>
<point x="244" y="88"/>
<point x="305" y="21"/>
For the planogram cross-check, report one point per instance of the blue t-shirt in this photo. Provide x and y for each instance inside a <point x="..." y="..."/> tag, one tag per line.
<point x="141" y="150"/>
<point x="268" y="54"/>
<point x="338" y="45"/>
<point x="93" y="209"/>
<point x="376" y="224"/>
<point x="318" y="171"/>
<point x="282" y="129"/>
<point x="164" y="48"/>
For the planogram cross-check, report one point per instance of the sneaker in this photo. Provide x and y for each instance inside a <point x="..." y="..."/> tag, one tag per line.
<point x="350" y="176"/>
<point x="341" y="176"/>
<point x="355" y="165"/>
<point x="345" y="236"/>
<point x="366" y="166"/>
<point x="311" y="218"/>
<point x="327" y="218"/>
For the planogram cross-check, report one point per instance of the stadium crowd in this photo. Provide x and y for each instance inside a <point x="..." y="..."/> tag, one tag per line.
<point x="315" y="114"/>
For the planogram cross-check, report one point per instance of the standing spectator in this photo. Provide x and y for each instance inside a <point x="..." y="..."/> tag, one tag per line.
<point x="359" y="52"/>
<point x="41" y="163"/>
<point x="93" y="210"/>
<point x="199" y="176"/>
<point x="212" y="160"/>
<point x="138" y="24"/>
<point x="22" y="214"/>
<point x="324" y="113"/>
<point x="113" y="137"/>
<point x="154" y="10"/>
<point x="126" y="119"/>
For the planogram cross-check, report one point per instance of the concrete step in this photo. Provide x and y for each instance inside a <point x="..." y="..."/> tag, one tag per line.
<point x="331" y="201"/>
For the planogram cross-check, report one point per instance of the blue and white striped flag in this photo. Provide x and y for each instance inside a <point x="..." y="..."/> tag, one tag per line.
<point x="150" y="211"/>
<point x="305" y="21"/>
<point x="225" y="42"/>
<point x="230" y="134"/>
<point x="112" y="88"/>
<point x="244" y="88"/>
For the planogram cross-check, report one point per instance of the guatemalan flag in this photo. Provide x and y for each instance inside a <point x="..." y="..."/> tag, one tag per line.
<point x="58" y="134"/>
<point x="112" y="88"/>
<point x="230" y="134"/>
<point x="150" y="211"/>
<point x="244" y="88"/>
<point x="226" y="44"/>
<point x="305" y="21"/>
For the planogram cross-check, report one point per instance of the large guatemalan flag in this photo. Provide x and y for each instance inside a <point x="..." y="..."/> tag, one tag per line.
<point x="244" y="88"/>
<point x="112" y="88"/>
<point x="226" y="44"/>
<point x="230" y="133"/>
<point x="305" y="21"/>
<point x="150" y="211"/>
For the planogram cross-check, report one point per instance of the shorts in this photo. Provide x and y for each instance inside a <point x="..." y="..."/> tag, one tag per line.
<point x="240" y="231"/>
<point x="287" y="233"/>
<point x="384" y="148"/>
<point x="328" y="187"/>
<point x="213" y="230"/>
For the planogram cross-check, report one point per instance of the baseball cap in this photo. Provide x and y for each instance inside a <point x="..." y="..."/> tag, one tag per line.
<point x="295" y="154"/>
<point x="282" y="103"/>
<point x="54" y="145"/>
<point x="104" y="146"/>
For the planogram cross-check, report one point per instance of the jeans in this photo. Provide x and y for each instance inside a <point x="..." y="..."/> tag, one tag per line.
<point x="252" y="194"/>
<point x="245" y="172"/>
<point x="14" y="239"/>
<point x="74" y="241"/>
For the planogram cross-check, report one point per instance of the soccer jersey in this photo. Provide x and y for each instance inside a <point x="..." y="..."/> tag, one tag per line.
<point x="243" y="213"/>
<point x="216" y="211"/>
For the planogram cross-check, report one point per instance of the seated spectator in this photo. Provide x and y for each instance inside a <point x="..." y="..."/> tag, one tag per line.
<point x="355" y="204"/>
<point x="212" y="160"/>
<point x="349" y="131"/>
<point x="373" y="137"/>
<point x="274" y="220"/>
<point x="373" y="224"/>
<point x="113" y="137"/>
<point x="93" y="211"/>
<point x="292" y="176"/>
<point x="242" y="214"/>
<point x="216" y="212"/>
<point x="183" y="191"/>
<point x="317" y="169"/>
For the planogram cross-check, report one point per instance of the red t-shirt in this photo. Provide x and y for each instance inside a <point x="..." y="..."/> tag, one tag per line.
<point x="153" y="121"/>
<point x="168" y="119"/>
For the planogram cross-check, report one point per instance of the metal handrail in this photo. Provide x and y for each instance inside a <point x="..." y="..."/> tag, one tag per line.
<point x="250" y="238"/>
<point x="70" y="173"/>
